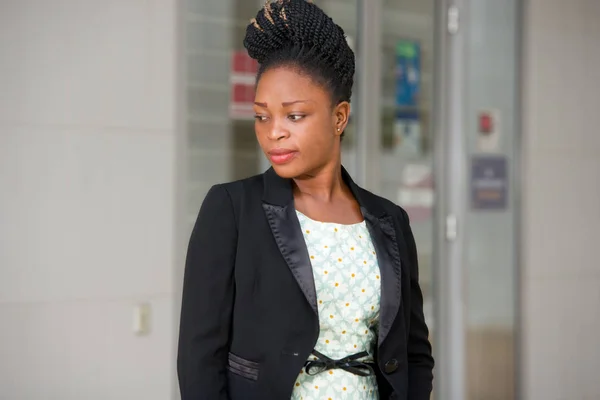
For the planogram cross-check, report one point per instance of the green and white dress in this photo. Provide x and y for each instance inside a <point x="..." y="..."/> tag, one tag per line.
<point x="348" y="285"/>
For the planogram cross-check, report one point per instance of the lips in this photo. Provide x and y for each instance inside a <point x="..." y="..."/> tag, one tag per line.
<point x="281" y="156"/>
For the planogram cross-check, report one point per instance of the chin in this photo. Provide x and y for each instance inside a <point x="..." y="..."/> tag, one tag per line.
<point x="286" y="171"/>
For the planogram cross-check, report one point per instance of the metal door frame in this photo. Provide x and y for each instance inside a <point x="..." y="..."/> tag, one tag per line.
<point x="450" y="166"/>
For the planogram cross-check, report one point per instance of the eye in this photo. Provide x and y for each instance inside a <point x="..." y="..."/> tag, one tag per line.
<point x="295" y="117"/>
<point x="260" y="118"/>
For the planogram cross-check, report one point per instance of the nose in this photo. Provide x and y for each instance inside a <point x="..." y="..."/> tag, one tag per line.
<point x="278" y="131"/>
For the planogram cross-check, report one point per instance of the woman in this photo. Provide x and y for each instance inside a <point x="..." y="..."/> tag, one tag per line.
<point x="298" y="283"/>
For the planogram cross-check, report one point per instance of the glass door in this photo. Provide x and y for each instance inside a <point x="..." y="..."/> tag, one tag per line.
<point x="395" y="144"/>
<point x="406" y="154"/>
<point x="409" y="150"/>
<point x="407" y="115"/>
<point x="435" y="127"/>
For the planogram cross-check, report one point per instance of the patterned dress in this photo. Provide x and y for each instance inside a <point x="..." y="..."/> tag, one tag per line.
<point x="348" y="288"/>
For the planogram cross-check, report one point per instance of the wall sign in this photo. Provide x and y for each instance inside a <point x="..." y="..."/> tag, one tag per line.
<point x="489" y="183"/>
<point x="408" y="73"/>
<point x="416" y="192"/>
<point x="407" y="126"/>
<point x="489" y="131"/>
<point x="242" y="81"/>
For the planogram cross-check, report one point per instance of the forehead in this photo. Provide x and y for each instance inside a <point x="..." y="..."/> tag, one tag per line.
<point x="282" y="84"/>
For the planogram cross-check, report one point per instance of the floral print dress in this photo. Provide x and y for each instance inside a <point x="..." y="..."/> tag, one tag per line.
<point x="348" y="285"/>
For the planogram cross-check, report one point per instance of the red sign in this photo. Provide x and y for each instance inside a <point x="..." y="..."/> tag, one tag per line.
<point x="242" y="82"/>
<point x="486" y="123"/>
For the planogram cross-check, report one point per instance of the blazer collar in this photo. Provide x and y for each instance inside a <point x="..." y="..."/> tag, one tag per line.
<point x="278" y="191"/>
<point x="278" y="205"/>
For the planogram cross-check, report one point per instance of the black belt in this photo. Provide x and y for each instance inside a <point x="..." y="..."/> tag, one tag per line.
<point x="349" y="363"/>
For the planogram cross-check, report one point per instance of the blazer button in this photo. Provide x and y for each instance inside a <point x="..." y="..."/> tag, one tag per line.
<point x="391" y="366"/>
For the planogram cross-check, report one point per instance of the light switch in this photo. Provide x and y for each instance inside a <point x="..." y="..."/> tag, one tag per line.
<point x="141" y="319"/>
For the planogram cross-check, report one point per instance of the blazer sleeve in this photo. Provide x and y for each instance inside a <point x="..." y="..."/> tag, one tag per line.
<point x="420" y="360"/>
<point x="207" y="301"/>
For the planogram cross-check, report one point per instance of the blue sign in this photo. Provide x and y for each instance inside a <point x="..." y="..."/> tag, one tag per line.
<point x="408" y="73"/>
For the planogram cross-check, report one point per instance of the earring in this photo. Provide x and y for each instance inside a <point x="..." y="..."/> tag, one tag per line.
<point x="338" y="129"/>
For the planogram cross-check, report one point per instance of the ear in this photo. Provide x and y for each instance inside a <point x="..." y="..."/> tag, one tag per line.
<point x="341" y="115"/>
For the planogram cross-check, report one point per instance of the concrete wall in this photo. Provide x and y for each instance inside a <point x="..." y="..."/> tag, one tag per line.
<point x="87" y="134"/>
<point x="561" y="216"/>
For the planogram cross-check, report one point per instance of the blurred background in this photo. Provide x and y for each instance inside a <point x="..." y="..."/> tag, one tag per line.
<point x="477" y="116"/>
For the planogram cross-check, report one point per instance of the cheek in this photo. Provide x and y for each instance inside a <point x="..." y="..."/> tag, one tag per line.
<point x="316" y="137"/>
<point x="323" y="129"/>
<point x="260" y="132"/>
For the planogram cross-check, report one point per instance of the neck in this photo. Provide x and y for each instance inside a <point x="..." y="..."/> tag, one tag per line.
<point x="323" y="185"/>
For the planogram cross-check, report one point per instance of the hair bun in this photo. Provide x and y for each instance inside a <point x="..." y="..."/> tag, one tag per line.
<point x="283" y="25"/>
<point x="298" y="33"/>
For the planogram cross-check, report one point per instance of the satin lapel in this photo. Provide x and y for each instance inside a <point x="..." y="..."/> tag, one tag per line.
<point x="385" y="242"/>
<point x="288" y="235"/>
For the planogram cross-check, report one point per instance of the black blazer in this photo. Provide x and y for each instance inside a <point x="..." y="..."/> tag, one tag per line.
<point x="249" y="314"/>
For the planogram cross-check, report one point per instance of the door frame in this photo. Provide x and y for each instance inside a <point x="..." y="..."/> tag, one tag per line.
<point x="451" y="188"/>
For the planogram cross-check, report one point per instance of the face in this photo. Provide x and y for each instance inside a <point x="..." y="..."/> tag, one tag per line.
<point x="296" y="125"/>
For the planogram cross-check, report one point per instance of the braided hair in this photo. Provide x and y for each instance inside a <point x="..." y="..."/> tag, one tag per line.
<point x="299" y="35"/>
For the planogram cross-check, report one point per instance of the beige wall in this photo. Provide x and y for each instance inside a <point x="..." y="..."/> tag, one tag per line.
<point x="561" y="224"/>
<point x="87" y="135"/>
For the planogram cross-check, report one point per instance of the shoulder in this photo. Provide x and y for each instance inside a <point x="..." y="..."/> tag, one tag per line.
<point x="251" y="182"/>
<point x="386" y="205"/>
<point x="238" y="188"/>
<point x="234" y="193"/>
<point x="223" y="201"/>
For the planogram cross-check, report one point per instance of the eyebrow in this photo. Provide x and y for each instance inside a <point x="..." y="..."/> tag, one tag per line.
<point x="284" y="104"/>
